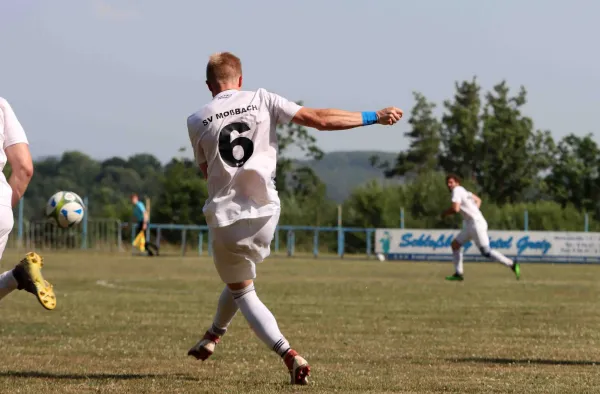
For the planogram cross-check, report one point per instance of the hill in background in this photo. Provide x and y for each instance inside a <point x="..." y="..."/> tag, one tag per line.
<point x="342" y="172"/>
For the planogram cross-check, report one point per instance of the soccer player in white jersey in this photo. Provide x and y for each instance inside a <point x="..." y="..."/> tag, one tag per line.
<point x="476" y="228"/>
<point x="14" y="147"/>
<point x="235" y="144"/>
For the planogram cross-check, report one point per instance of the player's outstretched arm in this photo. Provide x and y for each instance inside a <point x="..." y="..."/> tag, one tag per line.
<point x="337" y="119"/>
<point x="19" y="158"/>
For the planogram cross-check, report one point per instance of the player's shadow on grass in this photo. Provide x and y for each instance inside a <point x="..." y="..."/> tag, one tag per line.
<point x="536" y="361"/>
<point x="92" y="376"/>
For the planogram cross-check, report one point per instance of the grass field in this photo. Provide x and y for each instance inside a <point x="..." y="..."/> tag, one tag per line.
<point x="124" y="324"/>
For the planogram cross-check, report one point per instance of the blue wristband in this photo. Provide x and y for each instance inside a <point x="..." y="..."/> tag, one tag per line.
<point x="369" y="118"/>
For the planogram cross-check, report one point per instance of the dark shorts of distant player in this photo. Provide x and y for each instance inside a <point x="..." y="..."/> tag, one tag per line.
<point x="140" y="227"/>
<point x="151" y="249"/>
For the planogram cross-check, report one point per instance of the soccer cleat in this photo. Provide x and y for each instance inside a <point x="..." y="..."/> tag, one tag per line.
<point x="455" y="277"/>
<point x="298" y="367"/>
<point x="206" y="347"/>
<point x="28" y="274"/>
<point x="516" y="267"/>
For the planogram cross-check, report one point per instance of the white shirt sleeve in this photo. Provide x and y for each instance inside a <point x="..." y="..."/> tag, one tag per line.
<point x="195" y="140"/>
<point x="457" y="194"/>
<point x="282" y="109"/>
<point x="13" y="131"/>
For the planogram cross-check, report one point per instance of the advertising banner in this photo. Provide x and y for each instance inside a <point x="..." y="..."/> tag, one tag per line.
<point x="534" y="246"/>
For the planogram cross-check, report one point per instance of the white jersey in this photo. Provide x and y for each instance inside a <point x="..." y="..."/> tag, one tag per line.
<point x="235" y="134"/>
<point x="468" y="207"/>
<point x="11" y="132"/>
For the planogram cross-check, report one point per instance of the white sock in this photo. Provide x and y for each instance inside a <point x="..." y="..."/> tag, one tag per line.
<point x="499" y="257"/>
<point x="457" y="258"/>
<point x="261" y="319"/>
<point x="8" y="283"/>
<point x="226" y="310"/>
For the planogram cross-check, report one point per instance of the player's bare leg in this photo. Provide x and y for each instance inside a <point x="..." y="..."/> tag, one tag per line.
<point x="27" y="275"/>
<point x="264" y="325"/>
<point x="226" y="310"/>
<point x="457" y="259"/>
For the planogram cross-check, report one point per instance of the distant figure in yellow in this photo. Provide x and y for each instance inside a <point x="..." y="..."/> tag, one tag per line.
<point x="141" y="216"/>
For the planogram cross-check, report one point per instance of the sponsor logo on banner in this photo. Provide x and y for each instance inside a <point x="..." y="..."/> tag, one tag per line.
<point x="411" y="244"/>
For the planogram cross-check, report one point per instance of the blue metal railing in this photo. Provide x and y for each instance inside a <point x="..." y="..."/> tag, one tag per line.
<point x="291" y="232"/>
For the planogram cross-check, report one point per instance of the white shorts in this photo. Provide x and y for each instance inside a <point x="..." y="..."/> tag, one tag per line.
<point x="475" y="231"/>
<point x="237" y="248"/>
<point x="7" y="222"/>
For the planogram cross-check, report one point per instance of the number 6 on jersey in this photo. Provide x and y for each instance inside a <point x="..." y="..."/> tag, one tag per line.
<point x="227" y="146"/>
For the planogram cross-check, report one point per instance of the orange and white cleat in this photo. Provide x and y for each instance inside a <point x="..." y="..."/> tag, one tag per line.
<point x="206" y="347"/>
<point x="28" y="274"/>
<point x="298" y="367"/>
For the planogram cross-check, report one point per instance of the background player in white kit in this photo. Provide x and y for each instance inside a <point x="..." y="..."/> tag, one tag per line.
<point x="14" y="147"/>
<point x="475" y="229"/>
<point x="235" y="144"/>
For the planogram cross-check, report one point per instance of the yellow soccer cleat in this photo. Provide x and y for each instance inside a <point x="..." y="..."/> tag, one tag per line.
<point x="28" y="274"/>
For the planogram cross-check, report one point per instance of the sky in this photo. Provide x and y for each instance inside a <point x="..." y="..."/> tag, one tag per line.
<point x="118" y="77"/>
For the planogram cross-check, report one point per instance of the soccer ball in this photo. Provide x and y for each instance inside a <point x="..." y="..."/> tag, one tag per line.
<point x="65" y="208"/>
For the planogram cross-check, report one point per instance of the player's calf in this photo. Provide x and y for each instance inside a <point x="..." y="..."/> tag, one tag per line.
<point x="457" y="259"/>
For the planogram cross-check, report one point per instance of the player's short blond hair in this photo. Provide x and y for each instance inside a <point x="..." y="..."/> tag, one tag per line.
<point x="223" y="67"/>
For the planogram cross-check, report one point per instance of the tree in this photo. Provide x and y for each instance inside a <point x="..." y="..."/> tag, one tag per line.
<point x="306" y="184"/>
<point x="126" y="180"/>
<point x="144" y="162"/>
<point x="114" y="162"/>
<point x="575" y="176"/>
<point x="182" y="196"/>
<point x="496" y="151"/>
<point x="307" y="196"/>
<point x="507" y="165"/>
<point x="77" y="165"/>
<point x="374" y="205"/>
<point x="542" y="151"/>
<point x="422" y="155"/>
<point x="294" y="136"/>
<point x="460" y="132"/>
<point x="73" y="171"/>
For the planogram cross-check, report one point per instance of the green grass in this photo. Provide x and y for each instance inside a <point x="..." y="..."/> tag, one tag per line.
<point x="364" y="327"/>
